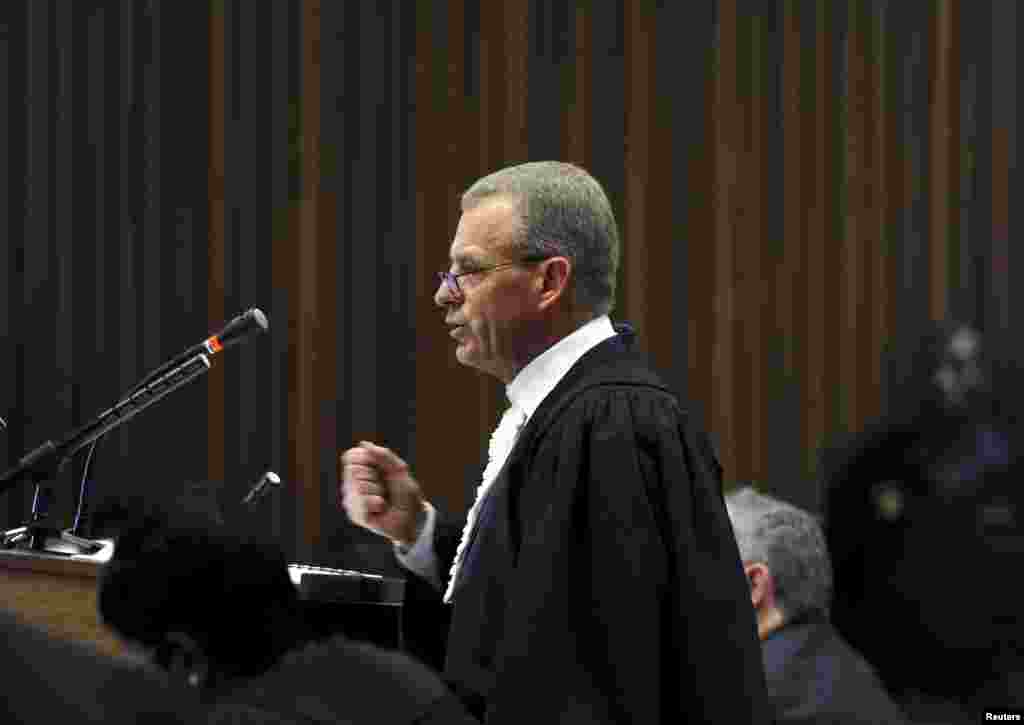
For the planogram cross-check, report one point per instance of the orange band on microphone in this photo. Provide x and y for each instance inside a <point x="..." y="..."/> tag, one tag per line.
<point x="213" y="345"/>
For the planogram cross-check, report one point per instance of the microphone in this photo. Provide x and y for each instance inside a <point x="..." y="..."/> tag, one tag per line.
<point x="3" y="423"/>
<point x="249" y="323"/>
<point x="268" y="482"/>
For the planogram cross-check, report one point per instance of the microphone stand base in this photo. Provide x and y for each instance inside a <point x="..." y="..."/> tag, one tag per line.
<point x="50" y="541"/>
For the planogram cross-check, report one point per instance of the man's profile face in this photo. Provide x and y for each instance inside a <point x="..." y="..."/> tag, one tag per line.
<point x="489" y="321"/>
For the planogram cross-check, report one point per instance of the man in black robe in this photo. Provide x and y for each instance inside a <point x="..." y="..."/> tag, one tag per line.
<point x="595" y="579"/>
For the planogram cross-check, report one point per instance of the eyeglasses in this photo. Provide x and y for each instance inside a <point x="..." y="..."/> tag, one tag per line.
<point x="451" y="280"/>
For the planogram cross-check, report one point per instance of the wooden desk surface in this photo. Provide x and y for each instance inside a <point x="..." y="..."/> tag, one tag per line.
<point x="57" y="593"/>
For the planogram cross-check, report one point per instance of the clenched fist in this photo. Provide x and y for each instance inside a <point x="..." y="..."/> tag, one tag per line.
<point x="378" y="493"/>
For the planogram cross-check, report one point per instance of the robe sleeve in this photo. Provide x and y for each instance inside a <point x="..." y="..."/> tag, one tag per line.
<point x="629" y="603"/>
<point x="425" y="618"/>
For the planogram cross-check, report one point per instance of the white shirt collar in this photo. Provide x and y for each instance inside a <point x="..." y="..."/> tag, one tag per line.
<point x="540" y="376"/>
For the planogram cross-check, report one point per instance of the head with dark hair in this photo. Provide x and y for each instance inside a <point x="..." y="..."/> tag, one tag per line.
<point x="208" y="602"/>
<point x="925" y="520"/>
<point x="783" y="553"/>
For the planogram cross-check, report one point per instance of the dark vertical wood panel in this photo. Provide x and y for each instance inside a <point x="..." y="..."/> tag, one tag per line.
<point x="224" y="262"/>
<point x="895" y="186"/>
<point x="64" y="167"/>
<point x="1004" y="128"/>
<point x="367" y="372"/>
<point x="216" y="234"/>
<point x="1013" y="87"/>
<point x="324" y="347"/>
<point x="915" y="260"/>
<point x="942" y="76"/>
<point x="579" y="71"/>
<point x="787" y="389"/>
<point x="878" y="251"/>
<point x="515" y="16"/>
<point x="726" y="113"/>
<point x="818" y="282"/>
<point x="308" y="252"/>
<point x="701" y="226"/>
<point x="343" y="39"/>
<point x="781" y="395"/>
<point x="432" y="377"/>
<point x="153" y="195"/>
<point x="963" y="300"/>
<point x="640" y="185"/>
<point x="855" y="233"/>
<point x="281" y="183"/>
<point x="607" y="124"/>
<point x="750" y="278"/>
<point x="98" y="131"/>
<point x="42" y="377"/>
<point x="9" y="129"/>
<point x="547" y="64"/>
<point x="397" y="214"/>
<point x="684" y="56"/>
<point x="123" y="296"/>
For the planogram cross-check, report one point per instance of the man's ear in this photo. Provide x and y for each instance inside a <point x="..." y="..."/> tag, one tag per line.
<point x="762" y="585"/>
<point x="556" y="274"/>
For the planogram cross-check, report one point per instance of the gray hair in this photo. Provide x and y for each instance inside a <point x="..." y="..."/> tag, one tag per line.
<point x="564" y="212"/>
<point x="790" y="542"/>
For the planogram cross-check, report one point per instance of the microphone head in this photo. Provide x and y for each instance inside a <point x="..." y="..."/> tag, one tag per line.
<point x="266" y="483"/>
<point x="262" y="322"/>
<point x="250" y="322"/>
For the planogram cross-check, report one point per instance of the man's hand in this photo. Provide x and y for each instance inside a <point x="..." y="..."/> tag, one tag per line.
<point x="378" y="493"/>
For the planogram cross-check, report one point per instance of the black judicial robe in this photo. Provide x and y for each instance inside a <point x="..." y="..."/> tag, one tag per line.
<point x="603" y="584"/>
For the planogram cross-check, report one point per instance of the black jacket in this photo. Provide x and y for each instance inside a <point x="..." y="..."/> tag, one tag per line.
<point x="815" y="677"/>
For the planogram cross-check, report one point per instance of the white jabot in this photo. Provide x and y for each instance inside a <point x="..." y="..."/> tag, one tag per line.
<point x="535" y="381"/>
<point x="526" y="392"/>
<point x="502" y="441"/>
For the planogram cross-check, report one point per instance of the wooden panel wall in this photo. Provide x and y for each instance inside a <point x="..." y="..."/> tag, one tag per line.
<point x="103" y="262"/>
<point x="800" y="185"/>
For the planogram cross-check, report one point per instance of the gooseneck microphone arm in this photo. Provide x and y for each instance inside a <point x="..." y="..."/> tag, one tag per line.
<point x="242" y="327"/>
<point x="43" y="463"/>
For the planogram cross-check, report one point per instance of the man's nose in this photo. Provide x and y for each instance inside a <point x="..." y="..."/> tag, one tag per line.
<point x="442" y="295"/>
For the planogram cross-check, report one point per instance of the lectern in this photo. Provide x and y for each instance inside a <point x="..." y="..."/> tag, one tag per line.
<point x="58" y="593"/>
